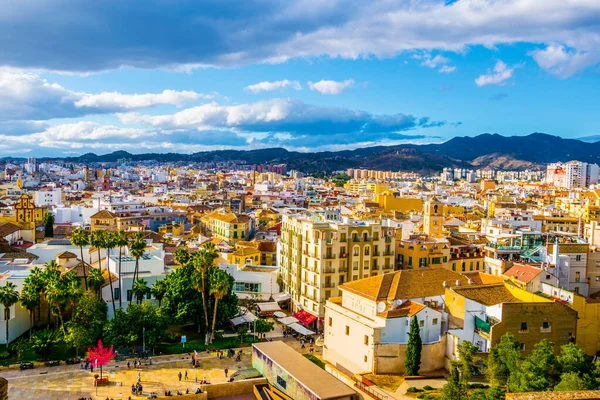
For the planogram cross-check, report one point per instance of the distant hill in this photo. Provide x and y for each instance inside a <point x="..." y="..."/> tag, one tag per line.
<point x="486" y="150"/>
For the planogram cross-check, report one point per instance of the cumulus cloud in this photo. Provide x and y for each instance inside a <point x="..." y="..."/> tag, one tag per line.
<point x="562" y="61"/>
<point x="498" y="76"/>
<point x="447" y="69"/>
<point x="267" y="86"/>
<point x="330" y="87"/>
<point x="433" y="62"/>
<point x="309" y="28"/>
<point x="27" y="96"/>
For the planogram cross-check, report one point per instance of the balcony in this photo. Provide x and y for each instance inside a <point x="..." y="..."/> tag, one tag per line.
<point x="356" y="239"/>
<point x="388" y="253"/>
<point x="343" y="269"/>
<point x="328" y="285"/>
<point x="388" y="239"/>
<point x="329" y="256"/>
<point x="329" y="270"/>
<point x="343" y="255"/>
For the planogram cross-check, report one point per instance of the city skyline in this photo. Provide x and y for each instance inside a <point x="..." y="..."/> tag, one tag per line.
<point x="309" y="76"/>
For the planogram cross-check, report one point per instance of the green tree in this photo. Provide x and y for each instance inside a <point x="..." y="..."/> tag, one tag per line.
<point x="578" y="371"/>
<point x="158" y="290"/>
<point x="97" y="241"/>
<point x="181" y="256"/>
<point x="219" y="287"/>
<point x="80" y="238"/>
<point x="9" y="296"/>
<point x="455" y="387"/>
<point x="137" y="248"/>
<point x="139" y="289"/>
<point x="30" y="299"/>
<point x="242" y="332"/>
<point x="121" y="241"/>
<point x="572" y="381"/>
<point x="203" y="261"/>
<point x="110" y="243"/>
<point x="413" y="348"/>
<point x="182" y="300"/>
<point x="262" y="326"/>
<point x="128" y="326"/>
<point x="44" y="341"/>
<point x="49" y="225"/>
<point x="96" y="280"/>
<point x="86" y="326"/>
<point x="466" y="354"/>
<point x="503" y="361"/>
<point x="539" y="371"/>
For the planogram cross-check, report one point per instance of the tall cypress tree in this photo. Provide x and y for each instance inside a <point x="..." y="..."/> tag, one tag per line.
<point x="49" y="225"/>
<point x="413" y="348"/>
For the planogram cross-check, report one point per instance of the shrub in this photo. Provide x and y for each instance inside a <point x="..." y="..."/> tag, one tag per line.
<point x="4" y="354"/>
<point x="413" y="389"/>
<point x="315" y="360"/>
<point x="478" y="386"/>
<point x="427" y="387"/>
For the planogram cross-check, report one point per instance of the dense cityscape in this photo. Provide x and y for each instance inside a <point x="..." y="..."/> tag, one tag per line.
<point x="467" y="271"/>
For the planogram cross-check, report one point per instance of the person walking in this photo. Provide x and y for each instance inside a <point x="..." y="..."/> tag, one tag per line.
<point x="185" y="375"/>
<point x="179" y="375"/>
<point x="139" y="377"/>
<point x="226" y="372"/>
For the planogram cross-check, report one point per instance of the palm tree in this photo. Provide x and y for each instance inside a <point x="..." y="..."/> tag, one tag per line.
<point x="35" y="283"/>
<point x="97" y="241"/>
<point x="137" y="248"/>
<point x="80" y="238"/>
<point x="139" y="289"/>
<point x="203" y="261"/>
<point x="159" y="289"/>
<point x="30" y="299"/>
<point x="57" y="296"/>
<point x="219" y="287"/>
<point x="109" y="243"/>
<point x="95" y="280"/>
<point x="8" y="297"/>
<point x="120" y="241"/>
<point x="181" y="256"/>
<point x="73" y="288"/>
<point x="50" y="276"/>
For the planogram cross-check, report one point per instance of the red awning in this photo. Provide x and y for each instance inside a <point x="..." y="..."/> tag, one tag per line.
<point x="305" y="318"/>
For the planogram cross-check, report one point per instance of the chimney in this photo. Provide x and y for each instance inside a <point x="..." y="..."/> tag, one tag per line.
<point x="445" y="284"/>
<point x="458" y="282"/>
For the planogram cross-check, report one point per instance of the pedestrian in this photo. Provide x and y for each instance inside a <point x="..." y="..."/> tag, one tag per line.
<point x="179" y="375"/>
<point x="226" y="372"/>
<point x="139" y="376"/>
<point x="186" y="375"/>
<point x="128" y="365"/>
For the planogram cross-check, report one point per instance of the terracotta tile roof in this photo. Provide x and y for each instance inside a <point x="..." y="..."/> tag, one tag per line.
<point x="405" y="284"/>
<point x="66" y="255"/>
<point x="523" y="272"/>
<point x="245" y="251"/>
<point x="480" y="278"/>
<point x="488" y="295"/>
<point x="8" y="228"/>
<point x="407" y="309"/>
<point x="19" y="254"/>
<point x="104" y="214"/>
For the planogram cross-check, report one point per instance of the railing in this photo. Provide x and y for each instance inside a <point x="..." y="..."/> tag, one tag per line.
<point x="329" y="270"/>
<point x="356" y="239"/>
<point x="388" y="253"/>
<point x="372" y="392"/>
<point x="388" y="239"/>
<point x="329" y="256"/>
<point x="343" y="269"/>
<point x="328" y="285"/>
<point x="343" y="255"/>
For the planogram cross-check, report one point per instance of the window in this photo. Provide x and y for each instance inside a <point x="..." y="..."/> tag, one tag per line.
<point x="117" y="293"/>
<point x="367" y="250"/>
<point x="464" y="265"/>
<point x="409" y="261"/>
<point x="522" y="346"/>
<point x="471" y="266"/>
<point x="149" y="295"/>
<point x="366" y="340"/>
<point x="281" y="382"/>
<point x="435" y="260"/>
<point x="421" y="323"/>
<point x="454" y="267"/>
<point x="523" y="327"/>
<point x="578" y="258"/>
<point x="547" y="276"/>
<point x="129" y="295"/>
<point x="406" y="322"/>
<point x="347" y="330"/>
<point x="545" y="325"/>
<point x="434" y="321"/>
<point x="329" y="321"/>
<point x="445" y="258"/>
<point x="246" y="287"/>
<point x="365" y="358"/>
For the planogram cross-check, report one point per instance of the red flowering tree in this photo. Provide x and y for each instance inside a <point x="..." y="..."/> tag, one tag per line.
<point x="100" y="355"/>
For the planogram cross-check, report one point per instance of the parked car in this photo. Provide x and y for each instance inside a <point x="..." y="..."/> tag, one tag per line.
<point x="26" y="365"/>
<point x="52" y="363"/>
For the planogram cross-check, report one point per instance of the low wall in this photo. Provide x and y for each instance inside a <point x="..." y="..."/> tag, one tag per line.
<point x="390" y="357"/>
<point x="3" y="389"/>
<point x="217" y="390"/>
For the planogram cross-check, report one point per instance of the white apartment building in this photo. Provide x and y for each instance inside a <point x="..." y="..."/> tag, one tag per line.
<point x="253" y="281"/>
<point x="372" y="317"/>
<point x="574" y="174"/>
<point x="320" y="250"/>
<point x="47" y="197"/>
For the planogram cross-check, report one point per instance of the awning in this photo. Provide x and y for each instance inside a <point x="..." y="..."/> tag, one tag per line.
<point x="304" y="317"/>
<point x="268" y="307"/>
<point x="279" y="297"/>
<point x="279" y="314"/>
<point x="300" y="329"/>
<point x="246" y="318"/>
<point x="287" y="320"/>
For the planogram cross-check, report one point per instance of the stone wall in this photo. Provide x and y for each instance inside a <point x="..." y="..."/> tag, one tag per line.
<point x="217" y="390"/>
<point x="389" y="358"/>
<point x="3" y="389"/>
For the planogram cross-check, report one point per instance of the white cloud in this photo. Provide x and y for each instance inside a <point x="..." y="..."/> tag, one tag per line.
<point x="446" y="69"/>
<point x="330" y="87"/>
<point x="27" y="96"/>
<point x="119" y="101"/>
<point x="435" y="61"/>
<point x="498" y="76"/>
<point x="267" y="86"/>
<point x="564" y="62"/>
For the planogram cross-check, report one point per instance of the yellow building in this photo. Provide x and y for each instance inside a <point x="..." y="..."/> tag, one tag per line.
<point x="388" y="202"/>
<point x="227" y="225"/>
<point x="104" y="221"/>
<point x="487" y="184"/>
<point x="420" y="251"/>
<point x="175" y="229"/>
<point x="261" y="252"/>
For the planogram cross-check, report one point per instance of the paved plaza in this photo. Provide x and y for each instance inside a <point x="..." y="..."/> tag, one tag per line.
<point x="68" y="382"/>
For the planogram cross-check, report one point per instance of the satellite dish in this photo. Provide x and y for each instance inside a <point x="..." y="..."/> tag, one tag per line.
<point x="381" y="307"/>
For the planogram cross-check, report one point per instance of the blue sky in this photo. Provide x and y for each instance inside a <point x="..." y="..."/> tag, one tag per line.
<point x="309" y="75"/>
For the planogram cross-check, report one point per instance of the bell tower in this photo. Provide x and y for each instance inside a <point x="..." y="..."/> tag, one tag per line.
<point x="433" y="217"/>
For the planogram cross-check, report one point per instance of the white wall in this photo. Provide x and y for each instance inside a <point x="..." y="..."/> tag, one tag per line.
<point x="19" y="317"/>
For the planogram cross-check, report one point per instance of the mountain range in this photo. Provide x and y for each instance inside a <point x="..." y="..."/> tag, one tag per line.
<point x="485" y="150"/>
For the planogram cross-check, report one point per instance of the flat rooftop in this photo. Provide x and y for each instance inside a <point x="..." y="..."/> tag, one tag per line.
<point x="320" y="382"/>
